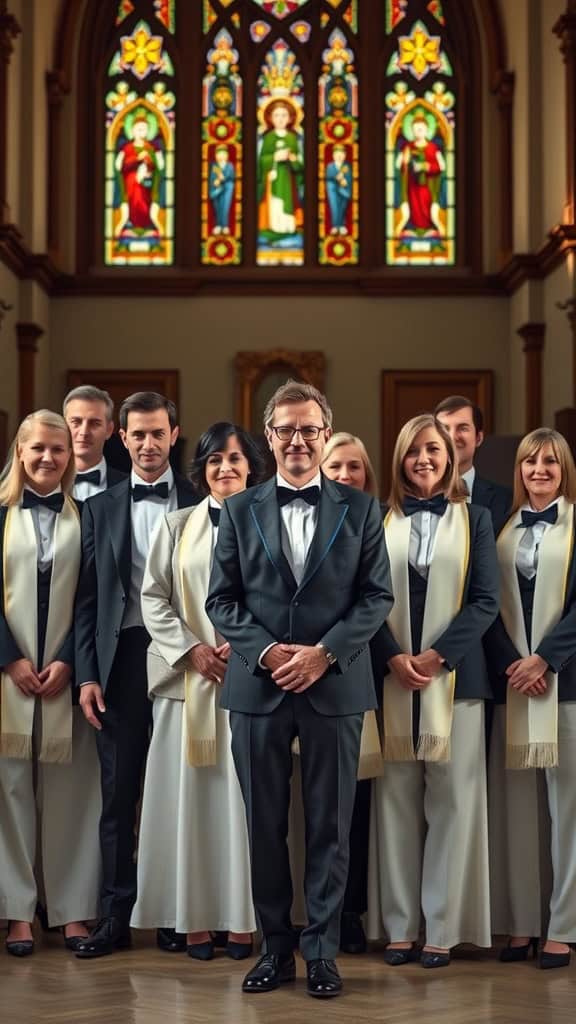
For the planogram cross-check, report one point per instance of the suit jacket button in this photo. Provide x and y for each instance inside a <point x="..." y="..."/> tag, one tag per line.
<point x="295" y="604"/>
<point x="116" y="632"/>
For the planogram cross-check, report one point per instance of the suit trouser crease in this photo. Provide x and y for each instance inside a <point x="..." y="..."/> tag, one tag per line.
<point x="329" y="760"/>
<point x="49" y="832"/>
<point x="429" y="844"/>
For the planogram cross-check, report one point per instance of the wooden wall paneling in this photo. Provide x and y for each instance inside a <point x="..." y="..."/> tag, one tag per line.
<point x="121" y="383"/>
<point x="27" y="335"/>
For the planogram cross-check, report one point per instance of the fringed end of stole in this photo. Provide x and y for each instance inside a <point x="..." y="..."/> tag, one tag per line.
<point x="370" y="767"/>
<point x="433" y="748"/>
<point x="532" y="755"/>
<point x="15" y="745"/>
<point x="201" y="753"/>
<point x="398" y="748"/>
<point x="56" y="750"/>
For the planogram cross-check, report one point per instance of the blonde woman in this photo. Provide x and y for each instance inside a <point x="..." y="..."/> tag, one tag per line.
<point x="346" y="461"/>
<point x="49" y="780"/>
<point x="429" y="844"/>
<point x="531" y="649"/>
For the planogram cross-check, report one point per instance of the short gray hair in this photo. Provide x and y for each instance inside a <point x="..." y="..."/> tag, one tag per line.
<point x="297" y="391"/>
<point x="88" y="393"/>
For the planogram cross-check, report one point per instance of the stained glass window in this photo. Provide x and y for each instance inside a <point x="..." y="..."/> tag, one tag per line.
<point x="280" y="159"/>
<point x="338" y="154"/>
<point x="420" y="138"/>
<point x="139" y="160"/>
<point x="280" y="8"/>
<point x="222" y="154"/>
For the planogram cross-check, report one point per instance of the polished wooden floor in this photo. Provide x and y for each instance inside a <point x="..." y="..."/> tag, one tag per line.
<point x="145" y="986"/>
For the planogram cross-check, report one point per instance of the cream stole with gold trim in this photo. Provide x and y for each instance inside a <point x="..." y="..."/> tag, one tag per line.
<point x="444" y="594"/>
<point x="21" y="614"/>
<point x="193" y="559"/>
<point x="532" y="722"/>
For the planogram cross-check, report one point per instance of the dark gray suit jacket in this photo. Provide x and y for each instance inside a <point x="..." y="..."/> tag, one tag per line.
<point x="496" y="498"/>
<point x="342" y="600"/>
<point x="104" y="583"/>
<point x="461" y="643"/>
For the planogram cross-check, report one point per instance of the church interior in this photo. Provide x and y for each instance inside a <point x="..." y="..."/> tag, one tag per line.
<point x="417" y="239"/>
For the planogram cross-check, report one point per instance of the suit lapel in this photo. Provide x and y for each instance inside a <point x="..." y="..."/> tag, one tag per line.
<point x="185" y="495"/>
<point x="332" y="510"/>
<point x="118" y="510"/>
<point x="266" y="518"/>
<point x="482" y="493"/>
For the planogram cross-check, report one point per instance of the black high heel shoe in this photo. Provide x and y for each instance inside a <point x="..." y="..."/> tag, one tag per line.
<point x="514" y="954"/>
<point x="19" y="947"/>
<point x="550" y="960"/>
<point x="395" y="957"/>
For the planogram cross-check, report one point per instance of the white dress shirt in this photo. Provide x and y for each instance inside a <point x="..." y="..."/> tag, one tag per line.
<point x="423" y="527"/>
<point x="527" y="551"/>
<point x="144" y="517"/>
<point x="469" y="477"/>
<point x="297" y="527"/>
<point x="85" y="490"/>
<point x="44" y="520"/>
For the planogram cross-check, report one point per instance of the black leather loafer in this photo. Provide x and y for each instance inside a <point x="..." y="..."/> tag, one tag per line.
<point x="324" y="982"/>
<point x="109" y="935"/>
<point x="20" y="947"/>
<point x="170" y="941"/>
<point x="271" y="971"/>
<point x="352" y="935"/>
<point x="434" y="959"/>
<point x="398" y="957"/>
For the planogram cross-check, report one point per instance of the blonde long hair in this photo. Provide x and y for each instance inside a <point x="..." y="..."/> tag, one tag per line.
<point x="451" y="483"/>
<point x="531" y="445"/>
<point x="13" y="478"/>
<point x="342" y="438"/>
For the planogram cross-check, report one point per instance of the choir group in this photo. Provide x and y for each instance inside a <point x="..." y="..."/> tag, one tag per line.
<point x="176" y="653"/>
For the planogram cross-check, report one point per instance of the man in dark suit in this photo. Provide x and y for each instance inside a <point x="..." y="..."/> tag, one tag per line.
<point x="300" y="584"/>
<point x="89" y="413"/>
<point x="111" y="646"/>
<point x="464" y="422"/>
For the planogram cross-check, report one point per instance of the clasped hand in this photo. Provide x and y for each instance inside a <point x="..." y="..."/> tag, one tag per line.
<point x="210" y="662"/>
<point x="416" y="671"/>
<point x="526" y="675"/>
<point x="47" y="683"/>
<point x="295" y="667"/>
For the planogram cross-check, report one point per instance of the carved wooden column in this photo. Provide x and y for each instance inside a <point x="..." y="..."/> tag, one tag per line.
<point x="9" y="29"/>
<point x="503" y="87"/>
<point x="565" y="29"/>
<point x="27" y="335"/>
<point x="56" y="89"/>
<point x="532" y="335"/>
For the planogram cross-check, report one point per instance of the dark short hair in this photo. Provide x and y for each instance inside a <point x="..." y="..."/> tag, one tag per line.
<point x="214" y="440"/>
<point x="455" y="402"/>
<point x="147" y="401"/>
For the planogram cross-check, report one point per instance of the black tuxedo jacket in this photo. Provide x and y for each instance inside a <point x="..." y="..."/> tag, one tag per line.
<point x="558" y="648"/>
<point x="342" y="600"/>
<point x="494" y="497"/>
<point x="113" y="476"/>
<point x="104" y="583"/>
<point x="461" y="643"/>
<point x="9" y="650"/>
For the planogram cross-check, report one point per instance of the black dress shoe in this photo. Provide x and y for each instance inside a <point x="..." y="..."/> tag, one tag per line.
<point x="20" y="947"/>
<point x="201" y="950"/>
<point x="397" y="957"/>
<point x="239" y="950"/>
<point x="324" y="982"/>
<point x="434" y="959"/>
<point x="109" y="935"/>
<point x="74" y="942"/>
<point x="272" y="970"/>
<point x="515" y="954"/>
<point x="352" y="935"/>
<point x="170" y="941"/>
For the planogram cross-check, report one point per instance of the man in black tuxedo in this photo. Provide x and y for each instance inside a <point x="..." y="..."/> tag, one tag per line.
<point x="111" y="646"/>
<point x="89" y="413"/>
<point x="300" y="583"/>
<point x="464" y="422"/>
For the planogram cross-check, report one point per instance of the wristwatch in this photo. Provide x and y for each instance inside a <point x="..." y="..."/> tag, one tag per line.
<point x="330" y="656"/>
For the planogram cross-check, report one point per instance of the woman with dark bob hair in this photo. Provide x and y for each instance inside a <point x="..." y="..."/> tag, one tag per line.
<point x="193" y="862"/>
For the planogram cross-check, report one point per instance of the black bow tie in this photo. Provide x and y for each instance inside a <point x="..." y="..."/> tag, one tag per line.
<point x="54" y="502"/>
<point x="141" y="492"/>
<point x="93" y="477"/>
<point x="214" y="514"/>
<point x="549" y="515"/>
<point x="311" y="495"/>
<point x="436" y="505"/>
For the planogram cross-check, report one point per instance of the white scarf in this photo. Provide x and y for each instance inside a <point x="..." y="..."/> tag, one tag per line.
<point x="444" y="595"/>
<point x="21" y="614"/>
<point x="532" y="722"/>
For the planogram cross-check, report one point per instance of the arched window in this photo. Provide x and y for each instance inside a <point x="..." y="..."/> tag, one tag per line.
<point x="278" y="140"/>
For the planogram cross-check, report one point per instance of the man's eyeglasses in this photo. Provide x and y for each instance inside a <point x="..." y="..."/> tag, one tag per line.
<point x="307" y="432"/>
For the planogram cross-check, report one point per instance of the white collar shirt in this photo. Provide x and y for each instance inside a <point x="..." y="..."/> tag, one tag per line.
<point x="423" y="527"/>
<point x="528" y="547"/>
<point x="469" y="477"/>
<point x="44" y="520"/>
<point x="298" y="525"/>
<point x="144" y="518"/>
<point x="84" y="490"/>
